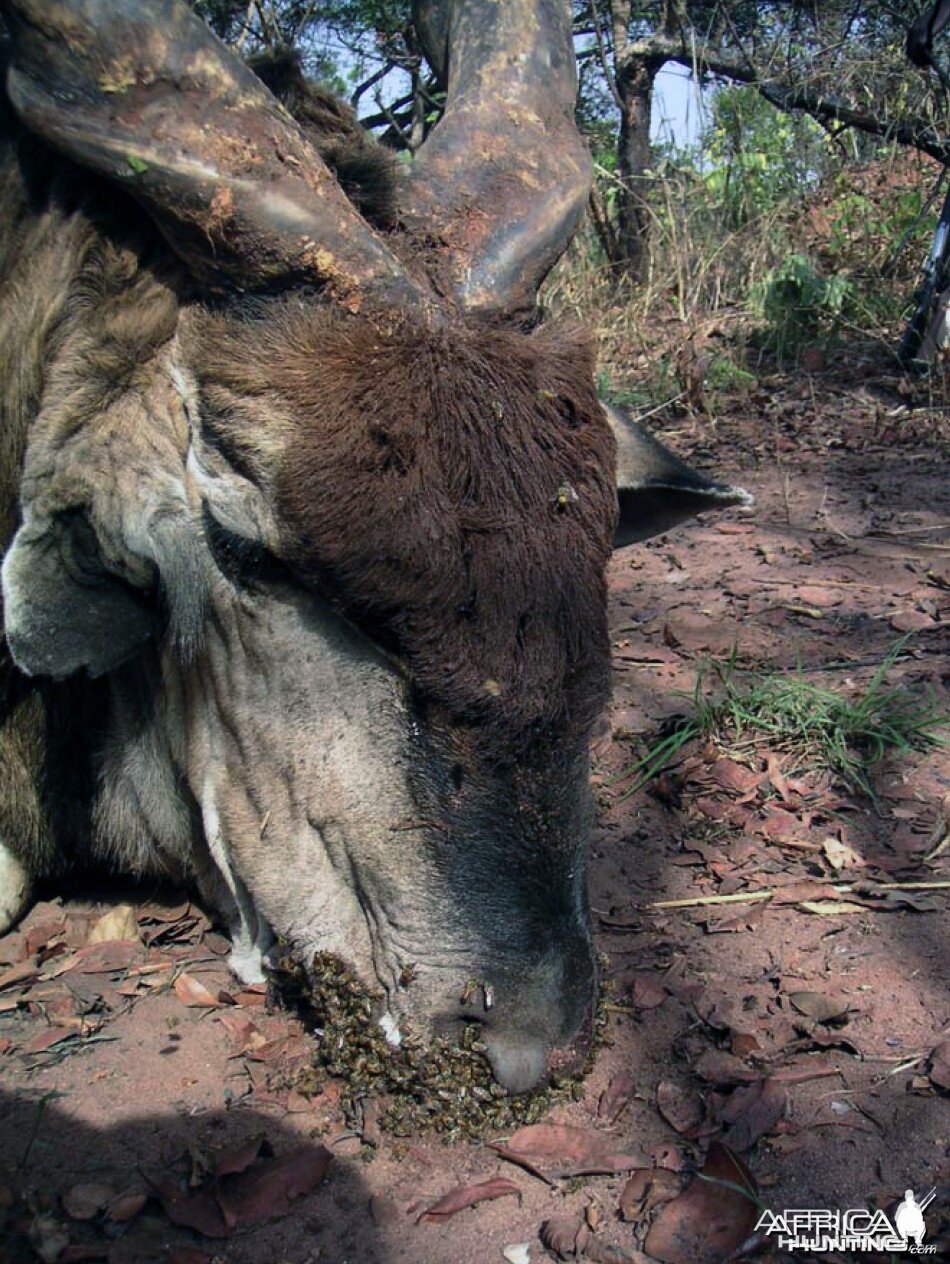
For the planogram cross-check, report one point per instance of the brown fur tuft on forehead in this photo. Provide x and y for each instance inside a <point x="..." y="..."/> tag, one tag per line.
<point x="457" y="487"/>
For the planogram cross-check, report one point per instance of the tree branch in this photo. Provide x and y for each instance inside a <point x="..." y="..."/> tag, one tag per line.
<point x="784" y="96"/>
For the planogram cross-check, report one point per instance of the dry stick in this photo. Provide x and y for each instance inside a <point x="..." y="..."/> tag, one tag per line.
<point x="753" y="896"/>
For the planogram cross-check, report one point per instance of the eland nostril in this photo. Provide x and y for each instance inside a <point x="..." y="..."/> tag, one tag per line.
<point x="517" y="1062"/>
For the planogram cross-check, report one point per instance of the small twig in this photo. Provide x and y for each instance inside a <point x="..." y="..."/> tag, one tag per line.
<point x="939" y="849"/>
<point x="750" y="897"/>
<point x="658" y="408"/>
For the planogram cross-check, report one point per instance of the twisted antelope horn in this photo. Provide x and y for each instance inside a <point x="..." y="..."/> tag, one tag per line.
<point x="502" y="182"/>
<point x="141" y="91"/>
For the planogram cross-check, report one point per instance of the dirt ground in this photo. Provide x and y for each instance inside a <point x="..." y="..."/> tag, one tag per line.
<point x="807" y="1032"/>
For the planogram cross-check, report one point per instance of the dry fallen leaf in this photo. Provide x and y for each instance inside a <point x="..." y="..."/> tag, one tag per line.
<point x="717" y="1066"/>
<point x="821" y="1006"/>
<point x="190" y="992"/>
<point x="831" y="908"/>
<point x="262" y="1191"/>
<point x="552" y="1151"/>
<point x="938" y="1065"/>
<point x="46" y="1038"/>
<point x="127" y="1205"/>
<point x="239" y="1157"/>
<point x="646" y="1188"/>
<point x="566" y="1236"/>
<point x="463" y="1196"/>
<point x="85" y="1200"/>
<point x="48" y="1238"/>
<point x="268" y="1187"/>
<point x="189" y="1255"/>
<point x="682" y="1108"/>
<point x="118" y="923"/>
<point x="646" y="993"/>
<point x="518" y="1253"/>
<point x="615" y="1098"/>
<point x="112" y="956"/>
<point x="712" y="1218"/>
<point x="753" y="1111"/>
<point x="777" y="778"/>
<point x="840" y="856"/>
<point x="599" y="1252"/>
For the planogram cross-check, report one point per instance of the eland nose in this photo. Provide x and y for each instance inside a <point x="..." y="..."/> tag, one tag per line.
<point x="518" y="1063"/>
<point x="522" y="1053"/>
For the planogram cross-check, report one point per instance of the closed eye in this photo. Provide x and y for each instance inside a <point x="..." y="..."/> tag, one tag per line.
<point x="244" y="561"/>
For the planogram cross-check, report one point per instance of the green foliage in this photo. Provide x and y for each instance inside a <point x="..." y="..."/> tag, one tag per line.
<point x="756" y="156"/>
<point x="798" y="302"/>
<point x="820" y="729"/>
<point x="646" y="392"/>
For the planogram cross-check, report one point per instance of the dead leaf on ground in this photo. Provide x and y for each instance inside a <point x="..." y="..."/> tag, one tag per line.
<point x="268" y="1187"/>
<point x="800" y="889"/>
<point x="752" y="1112"/>
<point x="615" y="1098"/>
<point x="118" y="923"/>
<point x="646" y="993"/>
<point x="518" y="1253"/>
<point x="600" y="1252"/>
<point x="25" y="972"/>
<point x="566" y="1236"/>
<point x="722" y="1013"/>
<point x="463" y="1196"/>
<point x="938" y="1066"/>
<point x="127" y="1205"/>
<point x="682" y="1108"/>
<point x="48" y="1238"/>
<point x="264" y="1190"/>
<point x="840" y="855"/>
<point x="239" y="1157"/>
<point x="196" y="1210"/>
<point x="747" y="918"/>
<point x="646" y="1188"/>
<point x="85" y="1200"/>
<point x="732" y="776"/>
<point x="918" y="901"/>
<point x="112" y="956"/>
<point x="244" y="1033"/>
<point x="717" y="1066"/>
<point x="823" y="1007"/>
<point x="189" y="1255"/>
<point x="553" y="1151"/>
<point x="46" y="1038"/>
<point x="777" y="780"/>
<point x="780" y="826"/>
<point x="832" y="908"/>
<point x="194" y="994"/>
<point x="712" y="1218"/>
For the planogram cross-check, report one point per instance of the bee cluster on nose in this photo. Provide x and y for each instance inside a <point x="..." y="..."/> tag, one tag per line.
<point x="434" y="1085"/>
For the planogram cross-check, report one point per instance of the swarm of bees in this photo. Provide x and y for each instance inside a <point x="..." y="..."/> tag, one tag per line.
<point x="423" y="1086"/>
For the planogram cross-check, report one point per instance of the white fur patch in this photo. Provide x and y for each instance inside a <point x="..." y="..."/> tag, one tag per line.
<point x="247" y="962"/>
<point x="15" y="888"/>
<point x="250" y="935"/>
<point x="390" y="1030"/>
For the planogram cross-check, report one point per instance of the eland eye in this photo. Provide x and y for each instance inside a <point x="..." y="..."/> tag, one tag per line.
<point x="242" y="560"/>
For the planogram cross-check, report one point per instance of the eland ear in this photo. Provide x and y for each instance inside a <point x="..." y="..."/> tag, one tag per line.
<point x="62" y="609"/>
<point x="655" y="489"/>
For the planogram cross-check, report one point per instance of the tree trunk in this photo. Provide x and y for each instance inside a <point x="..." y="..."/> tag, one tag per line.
<point x="635" y="90"/>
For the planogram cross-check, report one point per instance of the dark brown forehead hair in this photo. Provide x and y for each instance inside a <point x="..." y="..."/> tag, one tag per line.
<point x="453" y="487"/>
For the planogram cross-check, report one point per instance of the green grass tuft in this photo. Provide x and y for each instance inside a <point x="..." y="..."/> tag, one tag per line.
<point x="820" y="729"/>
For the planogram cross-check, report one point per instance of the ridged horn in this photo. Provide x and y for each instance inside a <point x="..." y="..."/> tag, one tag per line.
<point x="142" y="92"/>
<point x="501" y="183"/>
